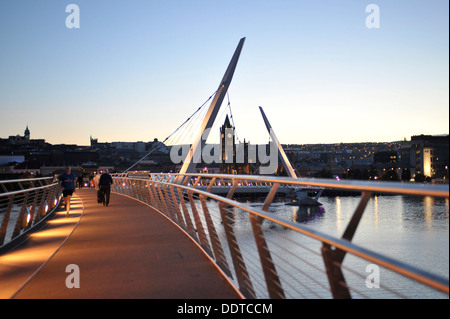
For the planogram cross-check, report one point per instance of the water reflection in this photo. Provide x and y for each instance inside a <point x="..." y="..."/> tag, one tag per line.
<point x="446" y="207"/>
<point x="338" y="213"/>
<point x="375" y="200"/>
<point x="411" y="229"/>
<point x="308" y="214"/>
<point x="428" y="211"/>
<point x="428" y="203"/>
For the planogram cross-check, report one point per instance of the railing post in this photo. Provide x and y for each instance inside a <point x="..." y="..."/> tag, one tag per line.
<point x="171" y="204"/>
<point x="215" y="242"/>
<point x="165" y="210"/>
<point x="244" y="281"/>
<point x="166" y="196"/>
<point x="39" y="215"/>
<point x="152" y="191"/>
<point x="187" y="218"/>
<point x="5" y="221"/>
<point x="211" y="184"/>
<point x="137" y="190"/>
<point x="147" y="192"/>
<point x="48" y="199"/>
<point x="5" y="190"/>
<point x="33" y="208"/>
<point x="122" y="186"/>
<point x="333" y="258"/>
<point x="114" y="186"/>
<point x="142" y="192"/>
<point x="233" y="189"/>
<point x="19" y="223"/>
<point x="158" y="197"/>
<point x="356" y="218"/>
<point x="54" y="194"/>
<point x="126" y="187"/>
<point x="129" y="185"/>
<point x="336" y="278"/>
<point x="151" y="195"/>
<point x="118" y="185"/>
<point x="130" y="188"/>
<point x="196" y="181"/>
<point x="133" y="189"/>
<point x="274" y="287"/>
<point x="176" y="206"/>
<point x="198" y="223"/>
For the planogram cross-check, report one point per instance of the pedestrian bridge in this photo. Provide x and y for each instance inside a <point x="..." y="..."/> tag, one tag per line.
<point x="162" y="238"/>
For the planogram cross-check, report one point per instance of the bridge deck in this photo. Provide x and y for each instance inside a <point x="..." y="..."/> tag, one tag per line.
<point x="126" y="250"/>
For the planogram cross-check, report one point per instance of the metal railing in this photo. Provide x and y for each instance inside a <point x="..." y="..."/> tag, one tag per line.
<point x="266" y="256"/>
<point x="24" y="203"/>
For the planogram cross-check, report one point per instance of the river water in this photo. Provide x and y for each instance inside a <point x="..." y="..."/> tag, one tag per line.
<point x="409" y="229"/>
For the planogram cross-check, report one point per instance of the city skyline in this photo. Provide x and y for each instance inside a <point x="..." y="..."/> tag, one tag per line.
<point x="408" y="138"/>
<point x="134" y="73"/>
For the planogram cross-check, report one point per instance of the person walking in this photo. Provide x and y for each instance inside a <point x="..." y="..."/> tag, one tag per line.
<point x="80" y="181"/>
<point x="95" y="181"/>
<point x="105" y="183"/>
<point x="68" y="184"/>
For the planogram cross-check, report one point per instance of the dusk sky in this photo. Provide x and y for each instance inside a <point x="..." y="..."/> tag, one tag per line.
<point x="135" y="70"/>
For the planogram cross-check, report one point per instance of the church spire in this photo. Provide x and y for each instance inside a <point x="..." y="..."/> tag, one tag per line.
<point x="27" y="133"/>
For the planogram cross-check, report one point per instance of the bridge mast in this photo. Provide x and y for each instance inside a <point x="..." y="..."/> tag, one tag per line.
<point x="199" y="142"/>
<point x="281" y="153"/>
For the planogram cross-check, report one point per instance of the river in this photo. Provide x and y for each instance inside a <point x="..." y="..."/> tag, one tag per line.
<point x="409" y="229"/>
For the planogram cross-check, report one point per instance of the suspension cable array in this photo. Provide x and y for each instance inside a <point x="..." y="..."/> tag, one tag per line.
<point x="185" y="126"/>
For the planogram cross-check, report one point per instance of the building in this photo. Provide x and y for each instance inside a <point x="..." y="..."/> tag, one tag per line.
<point x="25" y="139"/>
<point x="431" y="155"/>
<point x="387" y="161"/>
<point x="230" y="161"/>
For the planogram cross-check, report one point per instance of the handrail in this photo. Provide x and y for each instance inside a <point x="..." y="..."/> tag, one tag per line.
<point x="407" y="270"/>
<point x="23" y="191"/>
<point x="25" y="180"/>
<point x="400" y="188"/>
<point x="160" y="192"/>
<point x="24" y="209"/>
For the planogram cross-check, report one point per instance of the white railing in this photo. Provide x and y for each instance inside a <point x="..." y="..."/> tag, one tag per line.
<point x="24" y="203"/>
<point x="295" y="262"/>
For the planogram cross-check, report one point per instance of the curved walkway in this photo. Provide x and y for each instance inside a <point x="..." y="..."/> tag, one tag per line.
<point x="126" y="250"/>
